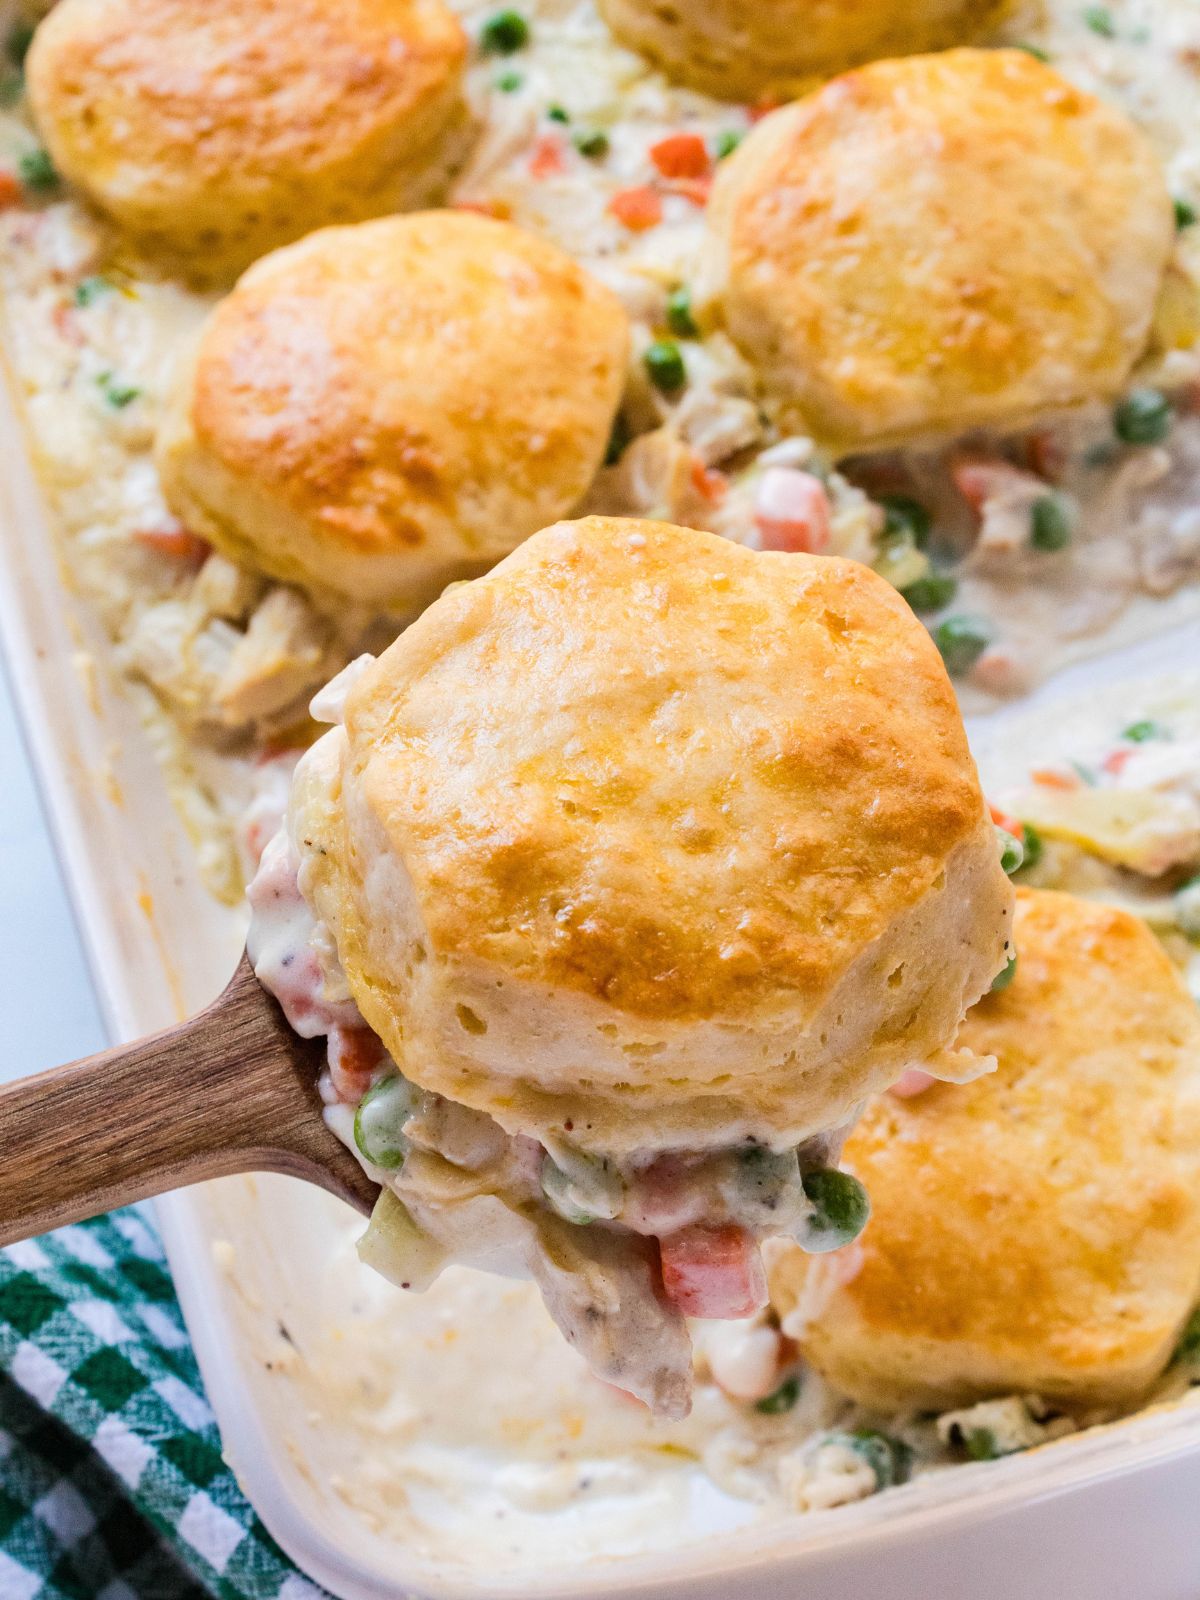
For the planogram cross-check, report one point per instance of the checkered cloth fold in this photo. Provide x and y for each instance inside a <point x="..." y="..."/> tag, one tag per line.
<point x="112" y="1484"/>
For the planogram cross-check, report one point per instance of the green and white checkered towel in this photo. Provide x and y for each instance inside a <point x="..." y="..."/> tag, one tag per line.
<point x="112" y="1485"/>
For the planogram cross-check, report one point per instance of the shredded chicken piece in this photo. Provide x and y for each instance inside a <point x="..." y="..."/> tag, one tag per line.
<point x="225" y="590"/>
<point x="601" y="1287"/>
<point x="282" y="656"/>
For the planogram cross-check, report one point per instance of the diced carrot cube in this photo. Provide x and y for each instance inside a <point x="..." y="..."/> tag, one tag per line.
<point x="1002" y="819"/>
<point x="354" y="1055"/>
<point x="547" y="160"/>
<point x="697" y="190"/>
<point x="637" y="209"/>
<point x="175" y="541"/>
<point x="708" y="483"/>
<point x="1050" y="778"/>
<point x="681" y="155"/>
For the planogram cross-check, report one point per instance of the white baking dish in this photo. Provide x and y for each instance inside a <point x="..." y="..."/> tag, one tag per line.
<point x="1096" y="1515"/>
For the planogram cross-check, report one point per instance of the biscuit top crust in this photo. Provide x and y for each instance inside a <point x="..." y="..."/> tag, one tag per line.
<point x="185" y="94"/>
<point x="936" y="242"/>
<point x="649" y="765"/>
<point x="433" y="378"/>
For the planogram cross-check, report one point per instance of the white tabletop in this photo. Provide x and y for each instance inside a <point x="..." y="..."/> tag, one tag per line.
<point x="52" y="1011"/>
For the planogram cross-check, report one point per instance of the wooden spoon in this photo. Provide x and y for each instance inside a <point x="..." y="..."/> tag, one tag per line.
<point x="233" y="1090"/>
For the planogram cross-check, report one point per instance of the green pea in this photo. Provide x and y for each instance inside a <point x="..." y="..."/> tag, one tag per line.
<point x="783" y="1399"/>
<point x="1189" y="1339"/>
<point x="618" y="439"/>
<point x="1005" y="976"/>
<point x="1139" y="732"/>
<point x="962" y="640"/>
<point x="1100" y="20"/>
<point x="726" y="143"/>
<point x="889" y="1459"/>
<point x="1032" y="844"/>
<point x="1012" y="852"/>
<point x="904" y="515"/>
<point x="38" y="171"/>
<point x="664" y="364"/>
<point x="1186" y="904"/>
<point x="379" y="1122"/>
<point x="503" y="33"/>
<point x="593" y="144"/>
<point x="1185" y="214"/>
<point x="1143" y="417"/>
<point x="118" y="394"/>
<point x="88" y="290"/>
<point x="679" y="313"/>
<point x="981" y="1445"/>
<point x="1049" y="525"/>
<point x="16" y="45"/>
<point x="841" y="1209"/>
<point x="931" y="593"/>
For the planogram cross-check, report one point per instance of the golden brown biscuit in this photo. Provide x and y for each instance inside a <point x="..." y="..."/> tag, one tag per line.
<point x="215" y="130"/>
<point x="381" y="409"/>
<point x="656" y="842"/>
<point x="739" y="51"/>
<point x="1037" y="1230"/>
<point x="936" y="243"/>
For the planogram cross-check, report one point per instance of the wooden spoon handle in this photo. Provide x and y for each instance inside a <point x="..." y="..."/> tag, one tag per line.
<point x="233" y="1090"/>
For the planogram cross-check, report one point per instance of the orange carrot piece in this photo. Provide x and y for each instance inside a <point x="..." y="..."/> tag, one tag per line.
<point x="637" y="209"/>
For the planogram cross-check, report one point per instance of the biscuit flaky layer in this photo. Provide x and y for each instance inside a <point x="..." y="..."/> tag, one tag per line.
<point x="379" y="410"/>
<point x="936" y="243"/>
<point x="658" y="840"/>
<point x="1037" y="1230"/>
<point x="737" y="51"/>
<point x="216" y="130"/>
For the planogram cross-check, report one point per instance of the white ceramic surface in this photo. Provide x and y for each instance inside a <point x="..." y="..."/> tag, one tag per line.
<point x="51" y="1011"/>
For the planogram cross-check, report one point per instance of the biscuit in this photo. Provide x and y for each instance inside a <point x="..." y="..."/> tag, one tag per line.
<point x="937" y="243"/>
<point x="656" y="841"/>
<point x="213" y="131"/>
<point x="1037" y="1230"/>
<point x="382" y="409"/>
<point x="777" y="48"/>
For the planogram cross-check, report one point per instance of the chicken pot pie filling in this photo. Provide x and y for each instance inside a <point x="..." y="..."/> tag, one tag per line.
<point x="621" y="1249"/>
<point x="647" y="1120"/>
<point x="1021" y="549"/>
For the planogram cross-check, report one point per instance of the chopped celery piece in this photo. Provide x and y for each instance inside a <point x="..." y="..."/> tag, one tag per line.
<point x="397" y="1249"/>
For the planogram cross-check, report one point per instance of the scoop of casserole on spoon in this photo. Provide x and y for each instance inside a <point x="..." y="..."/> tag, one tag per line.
<point x="624" y="877"/>
<point x="622" y="880"/>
